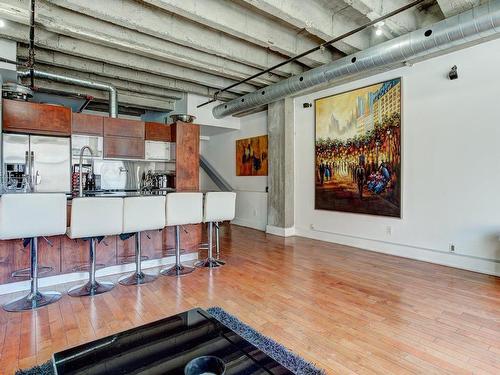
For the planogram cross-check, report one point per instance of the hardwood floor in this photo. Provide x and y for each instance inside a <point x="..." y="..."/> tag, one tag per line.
<point x="349" y="311"/>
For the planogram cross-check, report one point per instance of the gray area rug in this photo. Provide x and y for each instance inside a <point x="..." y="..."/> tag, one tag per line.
<point x="278" y="352"/>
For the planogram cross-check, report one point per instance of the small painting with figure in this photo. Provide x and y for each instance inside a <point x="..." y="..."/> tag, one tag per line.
<point x="358" y="150"/>
<point x="251" y="156"/>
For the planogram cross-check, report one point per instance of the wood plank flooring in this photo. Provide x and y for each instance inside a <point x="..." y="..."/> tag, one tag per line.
<point x="349" y="311"/>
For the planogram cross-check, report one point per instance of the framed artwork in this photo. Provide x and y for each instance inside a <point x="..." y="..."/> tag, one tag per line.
<point x="358" y="150"/>
<point x="251" y="156"/>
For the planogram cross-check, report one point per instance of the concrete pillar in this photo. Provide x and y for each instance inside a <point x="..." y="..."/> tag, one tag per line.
<point x="280" y="210"/>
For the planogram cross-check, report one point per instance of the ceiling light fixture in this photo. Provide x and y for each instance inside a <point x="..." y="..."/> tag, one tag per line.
<point x="2" y="23"/>
<point x="378" y="31"/>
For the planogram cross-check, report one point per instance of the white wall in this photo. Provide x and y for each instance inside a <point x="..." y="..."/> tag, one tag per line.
<point x="451" y="166"/>
<point x="220" y="150"/>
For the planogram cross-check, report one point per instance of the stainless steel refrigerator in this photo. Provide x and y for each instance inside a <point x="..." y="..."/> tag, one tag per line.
<point x="44" y="161"/>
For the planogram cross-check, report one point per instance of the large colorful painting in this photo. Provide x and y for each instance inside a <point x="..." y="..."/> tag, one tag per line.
<point x="251" y="156"/>
<point x="358" y="150"/>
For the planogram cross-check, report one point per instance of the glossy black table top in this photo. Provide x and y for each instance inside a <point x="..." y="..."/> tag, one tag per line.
<point x="165" y="347"/>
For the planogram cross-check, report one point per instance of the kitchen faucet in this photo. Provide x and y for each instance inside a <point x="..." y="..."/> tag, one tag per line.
<point x="80" y="165"/>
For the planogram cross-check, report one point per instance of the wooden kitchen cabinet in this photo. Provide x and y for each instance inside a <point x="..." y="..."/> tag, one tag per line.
<point x="123" y="147"/>
<point x="15" y="257"/>
<point x="75" y="254"/>
<point x="156" y="131"/>
<point x="36" y="118"/>
<point x="123" y="128"/>
<point x="83" y="123"/>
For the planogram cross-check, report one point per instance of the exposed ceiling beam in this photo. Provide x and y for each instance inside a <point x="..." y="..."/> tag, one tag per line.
<point x="399" y="24"/>
<point x="313" y="17"/>
<point x="126" y="98"/>
<point x="155" y="22"/>
<point x="79" y="26"/>
<point x="453" y="7"/>
<point x="240" y="22"/>
<point x="48" y="40"/>
<point x="104" y="71"/>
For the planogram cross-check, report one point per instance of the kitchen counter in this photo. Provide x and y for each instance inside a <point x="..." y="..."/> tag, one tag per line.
<point x="123" y="193"/>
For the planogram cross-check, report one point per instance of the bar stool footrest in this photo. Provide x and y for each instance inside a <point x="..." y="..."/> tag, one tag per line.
<point x="30" y="301"/>
<point x="88" y="289"/>
<point x="25" y="272"/>
<point x="177" y="270"/>
<point x="209" y="263"/>
<point x="137" y="279"/>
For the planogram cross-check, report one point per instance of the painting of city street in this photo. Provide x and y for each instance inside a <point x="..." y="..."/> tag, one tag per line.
<point x="358" y="150"/>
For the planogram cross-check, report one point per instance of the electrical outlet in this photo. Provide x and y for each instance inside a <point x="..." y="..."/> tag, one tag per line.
<point x="452" y="247"/>
<point x="254" y="212"/>
<point x="388" y="230"/>
<point x="311" y="226"/>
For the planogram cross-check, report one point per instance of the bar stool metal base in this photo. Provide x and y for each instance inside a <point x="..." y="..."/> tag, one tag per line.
<point x="92" y="287"/>
<point x="210" y="263"/>
<point x="177" y="270"/>
<point x="31" y="301"/>
<point x="137" y="279"/>
<point x="89" y="289"/>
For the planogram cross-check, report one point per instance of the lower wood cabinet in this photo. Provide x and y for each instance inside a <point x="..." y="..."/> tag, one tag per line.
<point x="123" y="147"/>
<point x="14" y="257"/>
<point x="75" y="254"/>
<point x="65" y="255"/>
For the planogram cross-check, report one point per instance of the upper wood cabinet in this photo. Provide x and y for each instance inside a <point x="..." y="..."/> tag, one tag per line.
<point x="123" y="128"/>
<point x="83" y="123"/>
<point x="123" y="147"/>
<point x="36" y="118"/>
<point x="156" y="131"/>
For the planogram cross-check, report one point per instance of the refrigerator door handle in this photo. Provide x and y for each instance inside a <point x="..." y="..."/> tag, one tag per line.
<point x="32" y="171"/>
<point x="38" y="178"/>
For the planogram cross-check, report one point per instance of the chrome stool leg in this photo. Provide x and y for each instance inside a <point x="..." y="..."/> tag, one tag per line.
<point x="92" y="287"/>
<point x="138" y="277"/>
<point x="178" y="269"/>
<point x="217" y="244"/>
<point x="210" y="261"/>
<point x="35" y="298"/>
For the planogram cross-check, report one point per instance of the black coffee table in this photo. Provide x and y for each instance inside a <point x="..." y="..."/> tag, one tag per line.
<point x="165" y="347"/>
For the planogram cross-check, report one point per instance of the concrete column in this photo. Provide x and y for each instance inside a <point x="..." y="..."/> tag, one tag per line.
<point x="280" y="210"/>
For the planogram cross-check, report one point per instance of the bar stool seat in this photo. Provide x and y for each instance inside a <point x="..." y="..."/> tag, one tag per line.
<point x="140" y="214"/>
<point x="30" y="216"/>
<point x="182" y="209"/>
<point x="92" y="218"/>
<point x="218" y="206"/>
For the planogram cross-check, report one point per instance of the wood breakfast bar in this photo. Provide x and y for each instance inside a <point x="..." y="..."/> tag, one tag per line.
<point x="123" y="141"/>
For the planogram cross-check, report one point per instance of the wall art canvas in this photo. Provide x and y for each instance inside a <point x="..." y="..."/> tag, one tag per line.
<point x="358" y="150"/>
<point x="251" y="156"/>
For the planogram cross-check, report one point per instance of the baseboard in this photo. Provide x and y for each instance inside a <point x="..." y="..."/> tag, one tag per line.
<point x="249" y="223"/>
<point x="25" y="285"/>
<point x="278" y="231"/>
<point x="475" y="264"/>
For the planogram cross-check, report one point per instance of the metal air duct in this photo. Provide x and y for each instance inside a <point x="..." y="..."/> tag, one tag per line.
<point x="470" y="26"/>
<point x="113" y="96"/>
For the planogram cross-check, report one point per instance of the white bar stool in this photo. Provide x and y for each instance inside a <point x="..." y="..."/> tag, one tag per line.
<point x="182" y="209"/>
<point x="92" y="218"/>
<point x="219" y="206"/>
<point x="32" y="216"/>
<point x="140" y="214"/>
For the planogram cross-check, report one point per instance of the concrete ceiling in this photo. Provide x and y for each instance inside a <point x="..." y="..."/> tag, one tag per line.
<point x="156" y="49"/>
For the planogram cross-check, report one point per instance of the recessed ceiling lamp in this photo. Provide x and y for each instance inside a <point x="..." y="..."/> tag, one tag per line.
<point x="2" y="23"/>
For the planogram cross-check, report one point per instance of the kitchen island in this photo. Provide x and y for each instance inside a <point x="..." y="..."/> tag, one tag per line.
<point x="62" y="255"/>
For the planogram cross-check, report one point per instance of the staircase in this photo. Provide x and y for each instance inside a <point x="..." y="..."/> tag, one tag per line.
<point x="221" y="183"/>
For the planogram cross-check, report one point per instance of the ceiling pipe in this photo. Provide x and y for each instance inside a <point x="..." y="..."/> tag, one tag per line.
<point x="470" y="26"/>
<point x="113" y="95"/>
